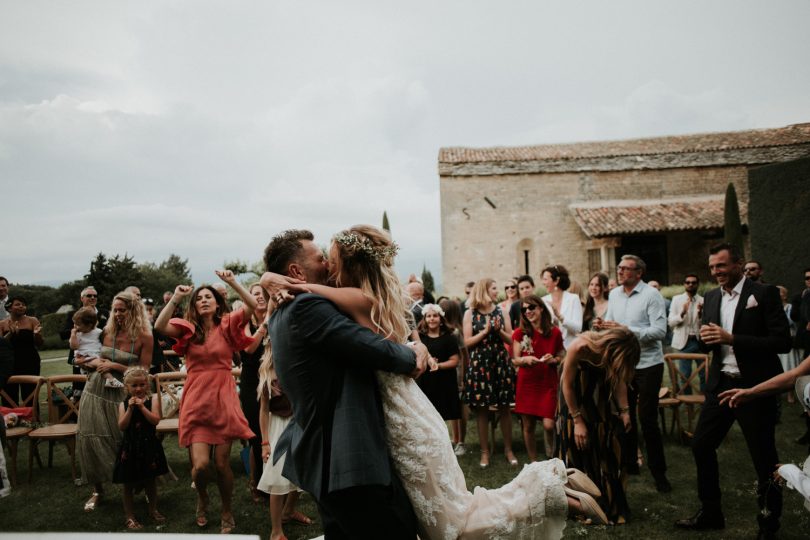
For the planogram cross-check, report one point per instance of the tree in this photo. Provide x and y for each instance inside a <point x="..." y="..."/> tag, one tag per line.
<point x="385" y="224"/>
<point x="732" y="226"/>
<point x="427" y="280"/>
<point x="156" y="279"/>
<point x="111" y="276"/>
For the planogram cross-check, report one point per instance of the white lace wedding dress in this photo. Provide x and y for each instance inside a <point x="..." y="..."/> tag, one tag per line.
<point x="532" y="506"/>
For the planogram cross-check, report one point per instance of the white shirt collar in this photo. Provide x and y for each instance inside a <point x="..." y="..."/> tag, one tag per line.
<point x="737" y="290"/>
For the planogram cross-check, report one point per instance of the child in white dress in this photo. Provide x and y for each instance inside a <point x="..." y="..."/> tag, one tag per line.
<point x="85" y="340"/>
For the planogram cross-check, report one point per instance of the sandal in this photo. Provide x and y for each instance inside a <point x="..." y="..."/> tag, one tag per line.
<point x="579" y="481"/>
<point x="590" y="508"/>
<point x="92" y="502"/>
<point x="133" y="524"/>
<point x="157" y="517"/>
<point x="202" y="508"/>
<point x="510" y="457"/>
<point x="227" y="525"/>
<point x="298" y="517"/>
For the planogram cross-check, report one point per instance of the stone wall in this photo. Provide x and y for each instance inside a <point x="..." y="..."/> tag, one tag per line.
<point x="532" y="209"/>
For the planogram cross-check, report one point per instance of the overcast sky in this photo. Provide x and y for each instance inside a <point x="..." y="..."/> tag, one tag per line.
<point x="203" y="128"/>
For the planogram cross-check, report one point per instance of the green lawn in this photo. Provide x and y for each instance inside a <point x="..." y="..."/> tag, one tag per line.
<point x="52" y="503"/>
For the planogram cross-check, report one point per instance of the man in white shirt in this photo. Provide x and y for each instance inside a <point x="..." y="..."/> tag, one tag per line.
<point x="744" y="327"/>
<point x="684" y="319"/>
<point x="3" y="298"/>
<point x="640" y="308"/>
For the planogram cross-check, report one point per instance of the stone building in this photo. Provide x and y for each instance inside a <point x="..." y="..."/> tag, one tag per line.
<point x="513" y="210"/>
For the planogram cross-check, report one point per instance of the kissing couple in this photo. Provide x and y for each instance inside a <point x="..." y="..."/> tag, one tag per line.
<point x="365" y="442"/>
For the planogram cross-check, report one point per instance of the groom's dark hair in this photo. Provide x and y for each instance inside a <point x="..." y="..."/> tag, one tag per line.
<point x="283" y="250"/>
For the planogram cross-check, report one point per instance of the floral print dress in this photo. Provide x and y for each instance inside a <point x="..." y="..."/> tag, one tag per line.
<point x="490" y="376"/>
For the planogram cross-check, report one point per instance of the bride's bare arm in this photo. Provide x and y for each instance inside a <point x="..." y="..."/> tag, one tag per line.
<point x="349" y="300"/>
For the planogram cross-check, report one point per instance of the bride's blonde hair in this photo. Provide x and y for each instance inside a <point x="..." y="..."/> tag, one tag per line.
<point x="365" y="259"/>
<point x="267" y="373"/>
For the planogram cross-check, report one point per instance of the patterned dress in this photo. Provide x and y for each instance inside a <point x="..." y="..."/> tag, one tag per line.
<point x="490" y="376"/>
<point x="601" y="460"/>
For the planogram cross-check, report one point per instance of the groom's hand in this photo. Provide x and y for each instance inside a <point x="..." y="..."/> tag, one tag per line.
<point x="422" y="357"/>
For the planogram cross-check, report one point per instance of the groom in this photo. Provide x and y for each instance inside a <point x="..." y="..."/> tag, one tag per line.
<point x="335" y="446"/>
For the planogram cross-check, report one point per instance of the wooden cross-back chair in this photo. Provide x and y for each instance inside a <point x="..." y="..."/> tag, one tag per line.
<point x="686" y="389"/>
<point x="15" y="434"/>
<point x="61" y="424"/>
<point x="167" y="388"/>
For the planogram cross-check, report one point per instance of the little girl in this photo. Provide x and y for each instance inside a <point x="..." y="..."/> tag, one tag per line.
<point x="140" y="457"/>
<point x="85" y="340"/>
<point x="275" y="412"/>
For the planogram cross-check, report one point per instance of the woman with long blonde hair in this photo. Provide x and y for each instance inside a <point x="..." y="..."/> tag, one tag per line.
<point x="126" y="341"/>
<point x="275" y="412"/>
<point x="361" y="260"/>
<point x="490" y="377"/>
<point x="597" y="368"/>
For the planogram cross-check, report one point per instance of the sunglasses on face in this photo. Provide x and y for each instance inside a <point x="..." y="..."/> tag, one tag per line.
<point x="507" y="287"/>
<point x="527" y="309"/>
<point x="690" y="282"/>
<point x="91" y="296"/>
<point x="753" y="269"/>
<point x="807" y="278"/>
<point x="626" y="268"/>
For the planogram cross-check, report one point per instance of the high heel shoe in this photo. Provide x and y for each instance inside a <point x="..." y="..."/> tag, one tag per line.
<point x="579" y="481"/>
<point x="511" y="459"/>
<point x="92" y="502"/>
<point x="589" y="507"/>
<point x="484" y="459"/>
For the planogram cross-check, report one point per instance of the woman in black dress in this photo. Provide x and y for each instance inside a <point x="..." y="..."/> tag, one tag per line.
<point x="140" y="456"/>
<point x="251" y="359"/>
<point x="24" y="333"/>
<point x="439" y="383"/>
<point x="595" y="413"/>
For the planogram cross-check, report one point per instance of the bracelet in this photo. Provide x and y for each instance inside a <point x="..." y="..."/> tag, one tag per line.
<point x="624" y="409"/>
<point x="265" y="443"/>
<point x="576" y="414"/>
<point x="173" y="301"/>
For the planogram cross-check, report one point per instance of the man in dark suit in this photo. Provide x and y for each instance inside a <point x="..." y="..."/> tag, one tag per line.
<point x="744" y="327"/>
<point x="335" y="447"/>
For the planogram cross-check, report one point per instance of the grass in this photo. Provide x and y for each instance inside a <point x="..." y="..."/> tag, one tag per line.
<point x="52" y="503"/>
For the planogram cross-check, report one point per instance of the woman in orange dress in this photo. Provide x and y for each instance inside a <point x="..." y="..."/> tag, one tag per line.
<point x="210" y="413"/>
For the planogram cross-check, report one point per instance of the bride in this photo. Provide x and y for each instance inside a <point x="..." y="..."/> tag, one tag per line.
<point x="533" y="505"/>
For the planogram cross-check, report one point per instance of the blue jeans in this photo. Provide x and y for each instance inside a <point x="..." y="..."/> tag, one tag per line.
<point x="686" y="366"/>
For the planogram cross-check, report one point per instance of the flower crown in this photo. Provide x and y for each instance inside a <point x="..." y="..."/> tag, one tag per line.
<point x="360" y="244"/>
<point x="433" y="307"/>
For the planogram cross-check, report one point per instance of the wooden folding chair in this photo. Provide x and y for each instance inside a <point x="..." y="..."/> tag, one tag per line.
<point x="168" y="387"/>
<point x="667" y="401"/>
<point x="686" y="389"/>
<point x="171" y="362"/>
<point x="61" y="424"/>
<point x="15" y="434"/>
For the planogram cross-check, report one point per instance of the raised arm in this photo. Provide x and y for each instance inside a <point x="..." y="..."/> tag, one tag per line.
<point x="250" y="302"/>
<point x="162" y="322"/>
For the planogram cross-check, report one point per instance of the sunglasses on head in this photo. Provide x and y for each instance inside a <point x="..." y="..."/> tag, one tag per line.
<point x="526" y="309"/>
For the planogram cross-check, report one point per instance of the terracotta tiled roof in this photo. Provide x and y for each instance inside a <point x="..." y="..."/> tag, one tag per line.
<point x="705" y="142"/>
<point x="617" y="217"/>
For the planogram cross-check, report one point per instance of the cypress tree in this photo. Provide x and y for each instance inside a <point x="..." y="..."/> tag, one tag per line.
<point x="385" y="224"/>
<point x="732" y="226"/>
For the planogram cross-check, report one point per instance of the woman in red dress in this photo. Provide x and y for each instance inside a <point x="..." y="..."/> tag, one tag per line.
<point x="537" y="349"/>
<point x="210" y="413"/>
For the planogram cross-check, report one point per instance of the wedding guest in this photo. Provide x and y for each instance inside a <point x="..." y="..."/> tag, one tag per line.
<point x="275" y="414"/>
<point x="24" y="333"/>
<point x="453" y="318"/>
<point x="744" y="327"/>
<point x="639" y="307"/>
<point x="127" y="341"/>
<point x="525" y="285"/>
<point x="537" y="350"/>
<point x="3" y="298"/>
<point x="490" y="377"/>
<point x="511" y="293"/>
<point x="140" y="458"/>
<point x="685" y="312"/>
<point x="597" y="368"/>
<point x="597" y="302"/>
<point x="251" y="358"/>
<point x="439" y="383"/>
<point x="210" y="415"/>
<point x="565" y="307"/>
<point x="792" y="358"/>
